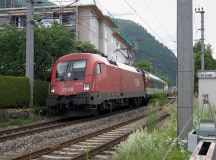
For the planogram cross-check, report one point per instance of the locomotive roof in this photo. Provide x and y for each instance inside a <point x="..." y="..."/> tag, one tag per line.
<point x="154" y="77"/>
<point x="100" y="59"/>
<point x="97" y="58"/>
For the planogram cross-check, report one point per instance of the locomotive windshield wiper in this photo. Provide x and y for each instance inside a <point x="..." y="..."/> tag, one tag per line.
<point x="60" y="79"/>
<point x="75" y="78"/>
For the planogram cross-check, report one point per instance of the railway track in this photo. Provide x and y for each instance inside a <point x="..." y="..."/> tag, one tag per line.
<point x="171" y="99"/>
<point x="26" y="130"/>
<point x="45" y="126"/>
<point x="93" y="144"/>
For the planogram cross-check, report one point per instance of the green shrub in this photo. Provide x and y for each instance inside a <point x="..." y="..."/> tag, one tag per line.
<point x="40" y="110"/>
<point x="14" y="92"/>
<point x="40" y="92"/>
<point x="158" y="98"/>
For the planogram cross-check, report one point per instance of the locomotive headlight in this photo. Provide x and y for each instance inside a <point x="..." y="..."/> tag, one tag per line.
<point x="52" y="89"/>
<point x="86" y="86"/>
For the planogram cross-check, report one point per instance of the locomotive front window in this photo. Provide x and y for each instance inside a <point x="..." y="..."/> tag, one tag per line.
<point x="70" y="70"/>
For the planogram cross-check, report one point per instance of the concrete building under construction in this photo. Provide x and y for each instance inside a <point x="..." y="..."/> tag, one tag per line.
<point x="86" y="21"/>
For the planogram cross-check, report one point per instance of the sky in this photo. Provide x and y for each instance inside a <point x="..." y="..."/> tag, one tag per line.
<point x="159" y="17"/>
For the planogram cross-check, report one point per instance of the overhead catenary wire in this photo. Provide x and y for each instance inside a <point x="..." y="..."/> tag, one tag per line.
<point x="162" y="26"/>
<point x="145" y="22"/>
<point x="136" y="13"/>
<point x="149" y="26"/>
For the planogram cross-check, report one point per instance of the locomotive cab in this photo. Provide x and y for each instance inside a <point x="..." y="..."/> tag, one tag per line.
<point x="74" y="84"/>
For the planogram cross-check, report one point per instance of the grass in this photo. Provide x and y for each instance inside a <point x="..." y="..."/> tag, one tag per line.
<point x="153" y="144"/>
<point x="7" y="118"/>
<point x="19" y="122"/>
<point x="152" y="119"/>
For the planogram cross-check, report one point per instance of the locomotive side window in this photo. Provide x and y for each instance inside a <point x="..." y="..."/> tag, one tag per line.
<point x="97" y="69"/>
<point x="70" y="70"/>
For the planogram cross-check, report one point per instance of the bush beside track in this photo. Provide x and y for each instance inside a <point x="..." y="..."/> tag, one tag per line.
<point x="40" y="92"/>
<point x="159" y="98"/>
<point x="15" y="92"/>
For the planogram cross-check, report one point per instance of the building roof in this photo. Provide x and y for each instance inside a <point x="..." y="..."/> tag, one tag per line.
<point x="123" y="38"/>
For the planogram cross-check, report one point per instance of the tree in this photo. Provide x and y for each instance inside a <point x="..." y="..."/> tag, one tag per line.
<point x="50" y="43"/>
<point x="86" y="46"/>
<point x="143" y="64"/>
<point x="12" y="52"/>
<point x="210" y="63"/>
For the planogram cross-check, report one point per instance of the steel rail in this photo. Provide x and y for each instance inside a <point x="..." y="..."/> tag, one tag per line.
<point x="38" y="128"/>
<point x="61" y="145"/>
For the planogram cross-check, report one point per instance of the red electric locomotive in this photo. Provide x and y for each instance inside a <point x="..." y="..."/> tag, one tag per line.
<point x="85" y="84"/>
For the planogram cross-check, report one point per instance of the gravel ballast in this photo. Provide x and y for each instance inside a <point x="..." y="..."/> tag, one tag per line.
<point x="12" y="148"/>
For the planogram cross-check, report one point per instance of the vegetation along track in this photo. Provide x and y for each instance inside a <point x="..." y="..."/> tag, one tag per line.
<point x="171" y="98"/>
<point x="94" y="143"/>
<point x="27" y="130"/>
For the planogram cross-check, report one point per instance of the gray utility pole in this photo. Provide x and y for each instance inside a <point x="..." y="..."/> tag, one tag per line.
<point x="202" y="38"/>
<point x="185" y="67"/>
<point x="77" y="23"/>
<point x="30" y="47"/>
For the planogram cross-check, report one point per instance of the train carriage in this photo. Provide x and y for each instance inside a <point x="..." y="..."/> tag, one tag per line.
<point x="154" y="84"/>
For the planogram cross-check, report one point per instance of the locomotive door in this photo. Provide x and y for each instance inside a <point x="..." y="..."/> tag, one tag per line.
<point x="99" y="83"/>
<point x="99" y="78"/>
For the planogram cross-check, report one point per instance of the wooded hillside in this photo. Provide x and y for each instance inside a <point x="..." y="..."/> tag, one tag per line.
<point x="162" y="59"/>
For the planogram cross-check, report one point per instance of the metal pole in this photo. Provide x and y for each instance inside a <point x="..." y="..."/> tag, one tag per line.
<point x="30" y="47"/>
<point x="185" y="67"/>
<point x="202" y="38"/>
<point x="77" y="23"/>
